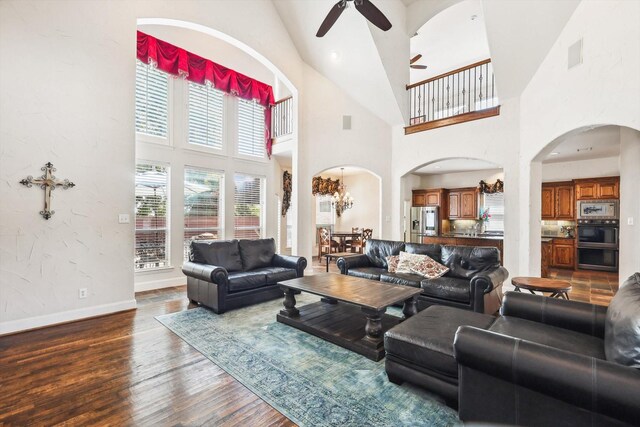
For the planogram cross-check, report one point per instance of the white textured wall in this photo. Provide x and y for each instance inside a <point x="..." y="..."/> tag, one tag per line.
<point x="365" y="213"/>
<point x="558" y="100"/>
<point x="592" y="168"/>
<point x="325" y="145"/>
<point x="58" y="105"/>
<point x="629" y="203"/>
<point x="461" y="179"/>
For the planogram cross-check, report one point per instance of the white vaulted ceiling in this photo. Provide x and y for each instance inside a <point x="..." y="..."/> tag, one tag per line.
<point x="371" y="66"/>
<point x="346" y="55"/>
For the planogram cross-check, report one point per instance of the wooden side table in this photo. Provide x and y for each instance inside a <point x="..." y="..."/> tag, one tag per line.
<point x="557" y="288"/>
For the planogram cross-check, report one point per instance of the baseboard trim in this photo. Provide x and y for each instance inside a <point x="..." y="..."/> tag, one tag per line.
<point x="150" y="285"/>
<point x="37" y="322"/>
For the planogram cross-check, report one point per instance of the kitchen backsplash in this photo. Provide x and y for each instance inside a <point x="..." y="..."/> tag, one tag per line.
<point x="558" y="228"/>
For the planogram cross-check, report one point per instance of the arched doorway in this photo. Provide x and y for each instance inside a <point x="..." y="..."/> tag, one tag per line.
<point x="575" y="159"/>
<point x="363" y="186"/>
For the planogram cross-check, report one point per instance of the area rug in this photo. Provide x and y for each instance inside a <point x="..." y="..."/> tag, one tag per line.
<point x="309" y="380"/>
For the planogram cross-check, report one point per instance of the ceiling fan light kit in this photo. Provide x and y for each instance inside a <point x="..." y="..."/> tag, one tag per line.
<point x="366" y="9"/>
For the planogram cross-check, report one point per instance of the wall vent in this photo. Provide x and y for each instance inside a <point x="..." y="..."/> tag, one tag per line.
<point x="575" y="54"/>
<point x="346" y="122"/>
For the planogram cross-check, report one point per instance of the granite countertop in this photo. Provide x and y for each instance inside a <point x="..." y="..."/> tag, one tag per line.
<point x="481" y="236"/>
<point x="546" y="239"/>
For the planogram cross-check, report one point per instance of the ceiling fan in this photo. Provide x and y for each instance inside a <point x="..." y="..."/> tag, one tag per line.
<point x="365" y="7"/>
<point x="412" y="63"/>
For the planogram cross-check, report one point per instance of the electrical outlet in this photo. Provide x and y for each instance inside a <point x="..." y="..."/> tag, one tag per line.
<point x="82" y="293"/>
<point x="630" y="220"/>
<point x="123" y="218"/>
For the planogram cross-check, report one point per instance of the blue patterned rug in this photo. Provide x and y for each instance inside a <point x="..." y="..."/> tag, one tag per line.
<point x="309" y="380"/>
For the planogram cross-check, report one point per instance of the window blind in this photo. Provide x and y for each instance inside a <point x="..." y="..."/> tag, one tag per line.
<point x="203" y="206"/>
<point x="152" y="245"/>
<point x="152" y="101"/>
<point x="206" y="106"/>
<point x="495" y="203"/>
<point x="248" y="206"/>
<point x="250" y="129"/>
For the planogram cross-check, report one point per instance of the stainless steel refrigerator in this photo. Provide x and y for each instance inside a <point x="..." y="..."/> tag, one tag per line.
<point x="424" y="222"/>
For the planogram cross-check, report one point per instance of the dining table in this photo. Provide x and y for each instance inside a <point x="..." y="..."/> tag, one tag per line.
<point x="342" y="237"/>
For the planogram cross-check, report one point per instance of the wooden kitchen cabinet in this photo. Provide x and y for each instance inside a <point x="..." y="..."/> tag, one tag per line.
<point x="548" y="202"/>
<point x="546" y="261"/>
<point x="558" y="201"/>
<point x="454" y="205"/>
<point x="563" y="253"/>
<point x="597" y="188"/>
<point x="565" y="202"/>
<point x="419" y="198"/>
<point x="463" y="203"/>
<point x="432" y="197"/>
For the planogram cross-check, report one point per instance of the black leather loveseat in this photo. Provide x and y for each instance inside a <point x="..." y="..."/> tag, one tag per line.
<point x="474" y="281"/>
<point x="224" y="275"/>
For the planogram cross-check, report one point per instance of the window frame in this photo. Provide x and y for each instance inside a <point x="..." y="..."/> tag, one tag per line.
<point x="263" y="205"/>
<point x="226" y="122"/>
<point x="236" y="140"/>
<point x="168" y="214"/>
<point x="153" y="139"/>
<point x="221" y="201"/>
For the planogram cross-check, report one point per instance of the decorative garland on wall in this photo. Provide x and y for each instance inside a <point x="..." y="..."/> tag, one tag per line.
<point x="286" y="188"/>
<point x="496" y="187"/>
<point x="324" y="186"/>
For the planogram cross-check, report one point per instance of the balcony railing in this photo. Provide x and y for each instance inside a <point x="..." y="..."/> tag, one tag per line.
<point x="282" y="118"/>
<point x="461" y="95"/>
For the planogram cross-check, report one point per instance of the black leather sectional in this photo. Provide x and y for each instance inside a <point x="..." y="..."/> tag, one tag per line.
<point x="224" y="275"/>
<point x="474" y="281"/>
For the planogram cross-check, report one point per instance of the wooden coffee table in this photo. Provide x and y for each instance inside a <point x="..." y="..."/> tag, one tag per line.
<point x="558" y="288"/>
<point x="351" y="313"/>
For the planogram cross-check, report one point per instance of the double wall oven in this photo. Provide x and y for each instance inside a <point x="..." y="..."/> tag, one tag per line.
<point x="598" y="235"/>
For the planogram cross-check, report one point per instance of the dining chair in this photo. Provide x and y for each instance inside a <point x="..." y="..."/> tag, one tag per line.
<point x="326" y="245"/>
<point x="354" y="242"/>
<point x="358" y="245"/>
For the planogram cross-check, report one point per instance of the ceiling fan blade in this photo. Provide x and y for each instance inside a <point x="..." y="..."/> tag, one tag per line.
<point x="418" y="67"/>
<point x="373" y="14"/>
<point x="331" y="18"/>
<point x="415" y="58"/>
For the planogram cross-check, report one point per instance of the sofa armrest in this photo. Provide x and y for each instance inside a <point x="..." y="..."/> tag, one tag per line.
<point x="573" y="315"/>
<point x="488" y="280"/>
<point x="345" y="263"/>
<point x="592" y="384"/>
<point x="208" y="273"/>
<point x="298" y="263"/>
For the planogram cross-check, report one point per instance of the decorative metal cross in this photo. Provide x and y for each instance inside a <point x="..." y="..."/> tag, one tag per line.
<point x="47" y="182"/>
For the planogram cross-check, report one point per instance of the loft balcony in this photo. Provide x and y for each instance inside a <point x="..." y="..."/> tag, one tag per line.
<point x="458" y="96"/>
<point x="282" y="119"/>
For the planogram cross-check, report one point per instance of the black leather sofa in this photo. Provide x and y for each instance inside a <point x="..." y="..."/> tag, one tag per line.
<point x="224" y="275"/>
<point x="474" y="281"/>
<point x="545" y="362"/>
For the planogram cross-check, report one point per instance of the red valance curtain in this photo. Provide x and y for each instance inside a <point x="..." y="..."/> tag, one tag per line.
<point x="179" y="62"/>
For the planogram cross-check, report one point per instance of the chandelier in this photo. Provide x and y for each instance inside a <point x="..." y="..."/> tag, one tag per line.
<point x="341" y="200"/>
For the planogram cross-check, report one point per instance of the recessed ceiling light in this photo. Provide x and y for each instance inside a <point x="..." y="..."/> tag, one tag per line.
<point x="474" y="17"/>
<point x="437" y="167"/>
<point x="554" y="153"/>
<point x="334" y="55"/>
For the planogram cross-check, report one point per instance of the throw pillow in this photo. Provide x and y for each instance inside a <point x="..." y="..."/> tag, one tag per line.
<point x="429" y="268"/>
<point x="408" y="261"/>
<point x="622" y="325"/>
<point x="392" y="263"/>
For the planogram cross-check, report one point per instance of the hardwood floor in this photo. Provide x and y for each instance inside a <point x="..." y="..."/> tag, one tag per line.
<point x="122" y="369"/>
